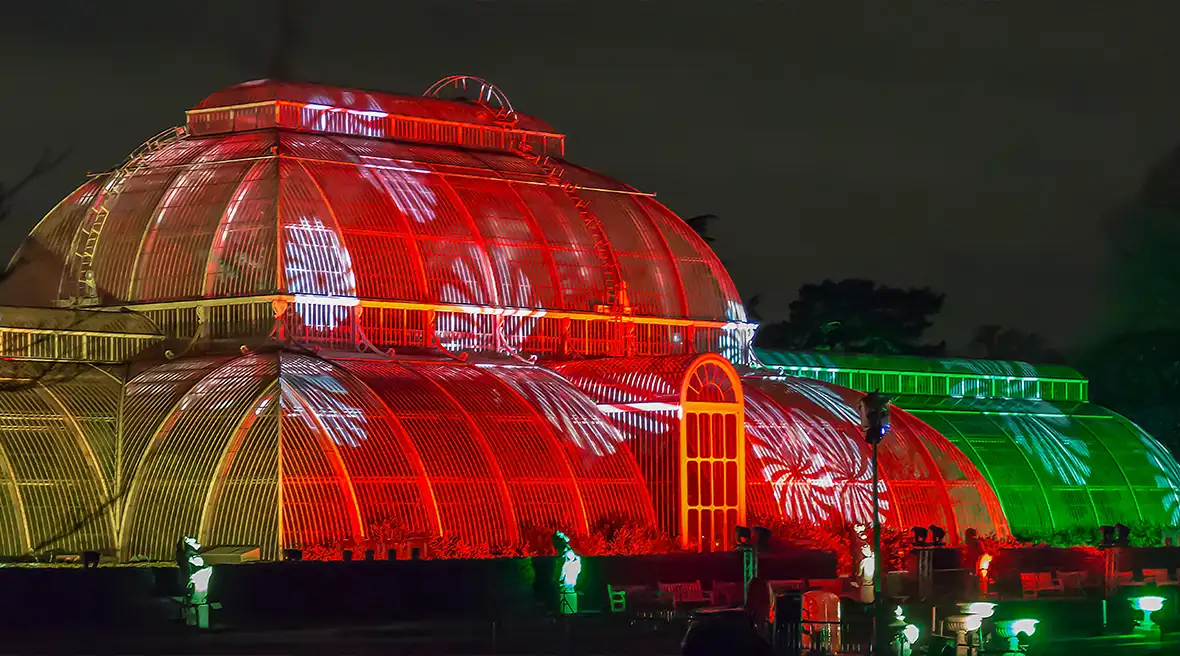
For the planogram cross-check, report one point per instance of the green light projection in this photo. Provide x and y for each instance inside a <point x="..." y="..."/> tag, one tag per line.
<point x="1055" y="461"/>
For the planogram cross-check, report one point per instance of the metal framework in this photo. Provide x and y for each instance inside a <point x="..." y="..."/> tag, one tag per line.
<point x="86" y="239"/>
<point x="324" y="313"/>
<point x="1054" y="461"/>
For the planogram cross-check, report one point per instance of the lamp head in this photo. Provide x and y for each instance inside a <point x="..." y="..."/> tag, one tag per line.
<point x="762" y="536"/>
<point x="1150" y="604"/>
<point x="1124" y="535"/>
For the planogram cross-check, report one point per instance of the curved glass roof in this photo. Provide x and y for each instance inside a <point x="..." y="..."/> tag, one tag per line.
<point x="346" y="217"/>
<point x="955" y="377"/>
<point x="808" y="461"/>
<point x="1060" y="466"/>
<point x="1054" y="461"/>
<point x="288" y="450"/>
<point x="326" y="96"/>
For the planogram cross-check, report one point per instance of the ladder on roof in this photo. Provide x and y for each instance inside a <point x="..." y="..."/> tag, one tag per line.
<point x="616" y="287"/>
<point x="85" y="290"/>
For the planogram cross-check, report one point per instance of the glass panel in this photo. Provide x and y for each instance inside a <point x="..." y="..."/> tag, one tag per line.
<point x="691" y="480"/>
<point x="706" y="484"/>
<point x="731" y="479"/>
<point x="719" y="482"/>
<point x="691" y="437"/>
<point x="692" y="531"/>
<point x="706" y="434"/>
<point x="731" y="436"/>
<point x="719" y="529"/>
<point x="718" y="435"/>
<point x="706" y="531"/>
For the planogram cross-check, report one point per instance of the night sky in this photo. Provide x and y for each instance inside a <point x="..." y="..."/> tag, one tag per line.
<point x="969" y="145"/>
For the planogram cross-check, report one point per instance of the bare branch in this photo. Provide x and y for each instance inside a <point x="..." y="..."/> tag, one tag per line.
<point x="48" y="161"/>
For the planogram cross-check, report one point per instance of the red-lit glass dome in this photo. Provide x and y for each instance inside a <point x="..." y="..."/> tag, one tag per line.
<point x="360" y="312"/>
<point x="808" y="461"/>
<point x="334" y="201"/>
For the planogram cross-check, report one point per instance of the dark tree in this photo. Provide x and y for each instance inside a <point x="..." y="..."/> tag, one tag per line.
<point x="995" y="342"/>
<point x="287" y="41"/>
<point x="752" y="305"/>
<point x="857" y="316"/>
<point x="1144" y="235"/>
<point x="700" y="225"/>
<point x="1135" y="370"/>
<point x="1138" y="374"/>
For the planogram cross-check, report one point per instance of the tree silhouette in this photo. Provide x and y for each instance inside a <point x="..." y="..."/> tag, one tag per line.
<point x="287" y="41"/>
<point x="995" y="342"/>
<point x="1138" y="374"/>
<point x="857" y="316"/>
<point x="700" y="225"/>
<point x="752" y="305"/>
<point x="1135" y="370"/>
<point x="1144" y="236"/>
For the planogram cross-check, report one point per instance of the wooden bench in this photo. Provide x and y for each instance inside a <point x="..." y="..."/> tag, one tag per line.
<point x="686" y="593"/>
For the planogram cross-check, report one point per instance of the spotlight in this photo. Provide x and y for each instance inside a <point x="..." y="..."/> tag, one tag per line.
<point x="1147" y="605"/>
<point x="919" y="536"/>
<point x="1124" y="538"/>
<point x="1107" y="535"/>
<point x="762" y="537"/>
<point x="743" y="534"/>
<point x="1017" y="633"/>
<point x="984" y="609"/>
<point x="937" y="536"/>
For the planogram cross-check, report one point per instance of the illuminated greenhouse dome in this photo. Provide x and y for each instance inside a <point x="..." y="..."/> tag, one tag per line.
<point x="316" y="317"/>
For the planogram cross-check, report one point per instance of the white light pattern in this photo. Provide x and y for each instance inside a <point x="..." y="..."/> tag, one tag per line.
<point x="737" y="336"/>
<point x="1167" y="475"/>
<point x="412" y="196"/>
<point x="1060" y="455"/>
<point x="317" y="264"/>
<point x="327" y="406"/>
<point x="1041" y="433"/>
<point x="988" y="369"/>
<point x="573" y="416"/>
<point x="817" y="470"/>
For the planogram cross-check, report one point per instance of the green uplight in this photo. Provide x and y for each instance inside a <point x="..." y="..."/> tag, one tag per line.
<point x="910" y="632"/>
<point x="1148" y="604"/>
<point x="1027" y="627"/>
<point x="200" y="581"/>
<point x="983" y="609"/>
<point x="571" y="568"/>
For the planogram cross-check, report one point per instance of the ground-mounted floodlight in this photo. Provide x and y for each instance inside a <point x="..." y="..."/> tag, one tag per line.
<point x="906" y="634"/>
<point x="1148" y="605"/>
<point x="197" y="584"/>
<point x="964" y="628"/>
<point x="874" y="420"/>
<point x="571" y="569"/>
<point x="982" y="570"/>
<point x="937" y="536"/>
<point x="1012" y="630"/>
<point x="980" y="609"/>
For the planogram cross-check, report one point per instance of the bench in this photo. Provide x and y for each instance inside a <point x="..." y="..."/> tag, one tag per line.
<point x="1032" y="584"/>
<point x="686" y="593"/>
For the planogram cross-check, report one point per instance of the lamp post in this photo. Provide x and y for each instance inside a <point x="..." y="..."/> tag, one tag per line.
<point x="874" y="418"/>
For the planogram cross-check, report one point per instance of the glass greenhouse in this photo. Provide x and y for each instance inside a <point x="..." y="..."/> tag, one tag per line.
<point x="315" y="317"/>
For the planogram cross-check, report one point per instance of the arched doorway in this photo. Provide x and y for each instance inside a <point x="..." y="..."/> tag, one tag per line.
<point x="712" y="456"/>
